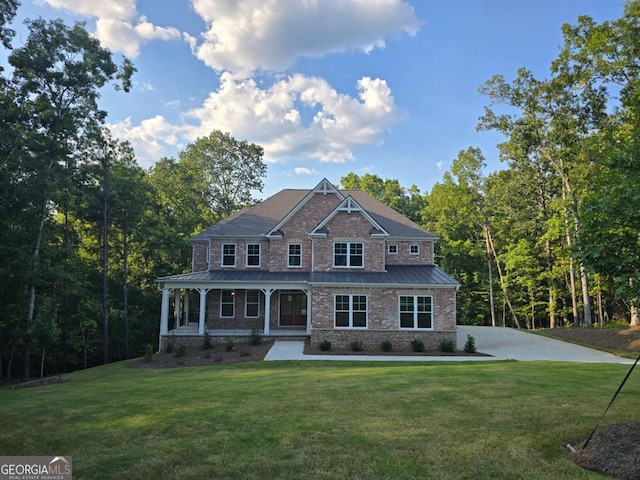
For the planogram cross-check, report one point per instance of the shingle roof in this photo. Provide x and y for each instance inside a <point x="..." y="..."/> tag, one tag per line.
<point x="262" y="218"/>
<point x="415" y="275"/>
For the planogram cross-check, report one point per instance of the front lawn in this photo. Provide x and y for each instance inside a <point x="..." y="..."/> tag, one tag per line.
<point x="319" y="420"/>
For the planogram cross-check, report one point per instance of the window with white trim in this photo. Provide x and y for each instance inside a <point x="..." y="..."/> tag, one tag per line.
<point x="295" y="255"/>
<point x="416" y="312"/>
<point x="253" y="255"/>
<point x="252" y="303"/>
<point x="350" y="311"/>
<point x="414" y="249"/>
<point x="227" y="303"/>
<point x="393" y="249"/>
<point x="228" y="254"/>
<point x="348" y="254"/>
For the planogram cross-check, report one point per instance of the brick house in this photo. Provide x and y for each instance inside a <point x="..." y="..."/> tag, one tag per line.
<point x="321" y="263"/>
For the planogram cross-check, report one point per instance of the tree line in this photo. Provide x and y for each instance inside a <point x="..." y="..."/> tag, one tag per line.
<point x="550" y="240"/>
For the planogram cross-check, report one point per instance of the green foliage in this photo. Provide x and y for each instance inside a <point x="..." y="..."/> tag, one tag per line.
<point x="181" y="351"/>
<point x="470" y="345"/>
<point x="206" y="341"/>
<point x="447" y="346"/>
<point x="386" y="346"/>
<point x="417" y="345"/>
<point x="229" y="344"/>
<point x="255" y="337"/>
<point x="324" y="345"/>
<point x="148" y="353"/>
<point x="356" y="346"/>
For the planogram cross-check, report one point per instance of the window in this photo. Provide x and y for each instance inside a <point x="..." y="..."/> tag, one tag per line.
<point x="252" y="303"/>
<point x="295" y="255"/>
<point x="227" y="303"/>
<point x="393" y="249"/>
<point x="414" y="249"/>
<point x="348" y="254"/>
<point x="228" y="255"/>
<point x="253" y="255"/>
<point x="415" y="312"/>
<point x="351" y="311"/>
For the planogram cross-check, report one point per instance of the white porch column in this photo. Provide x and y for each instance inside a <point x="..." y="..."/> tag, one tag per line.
<point x="267" y="308"/>
<point x="187" y="296"/>
<point x="177" y="307"/>
<point x="164" y="312"/>
<point x="308" y="292"/>
<point x="203" y="305"/>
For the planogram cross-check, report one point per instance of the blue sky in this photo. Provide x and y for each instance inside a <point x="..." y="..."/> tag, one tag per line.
<point x="327" y="87"/>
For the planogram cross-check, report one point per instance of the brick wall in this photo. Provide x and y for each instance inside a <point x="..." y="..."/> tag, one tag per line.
<point x="199" y="260"/>
<point x="404" y="255"/>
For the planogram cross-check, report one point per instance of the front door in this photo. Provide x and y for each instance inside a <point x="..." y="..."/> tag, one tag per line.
<point x="293" y="309"/>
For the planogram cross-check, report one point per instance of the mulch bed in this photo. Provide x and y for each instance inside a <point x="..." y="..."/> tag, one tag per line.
<point x="310" y="349"/>
<point x="613" y="451"/>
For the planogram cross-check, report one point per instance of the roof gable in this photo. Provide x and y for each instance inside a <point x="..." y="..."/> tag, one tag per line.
<point x="349" y="205"/>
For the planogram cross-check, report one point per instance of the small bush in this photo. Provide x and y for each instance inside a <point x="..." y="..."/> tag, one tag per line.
<point x="255" y="338"/>
<point x="385" y="345"/>
<point x="470" y="345"/>
<point x="417" y="345"/>
<point x="356" y="346"/>
<point x="616" y="324"/>
<point x="206" y="342"/>
<point x="148" y="353"/>
<point x="447" y="346"/>
<point x="181" y="351"/>
<point x="324" y="345"/>
<point x="228" y="344"/>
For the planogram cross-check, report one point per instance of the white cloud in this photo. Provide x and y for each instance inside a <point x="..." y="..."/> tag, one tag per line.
<point x="305" y="171"/>
<point x="118" y="25"/>
<point x="296" y="117"/>
<point x="247" y="35"/>
<point x="439" y="165"/>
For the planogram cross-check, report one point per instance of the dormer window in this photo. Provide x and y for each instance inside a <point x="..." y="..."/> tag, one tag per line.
<point x="228" y="254"/>
<point x="348" y="254"/>
<point x="414" y="249"/>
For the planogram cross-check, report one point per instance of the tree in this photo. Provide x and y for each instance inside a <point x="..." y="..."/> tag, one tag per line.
<point x="57" y="75"/>
<point x="230" y="170"/>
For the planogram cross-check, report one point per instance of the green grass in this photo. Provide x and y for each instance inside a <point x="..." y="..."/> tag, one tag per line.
<point x="319" y="420"/>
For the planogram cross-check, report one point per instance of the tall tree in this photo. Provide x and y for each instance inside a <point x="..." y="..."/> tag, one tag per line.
<point x="231" y="170"/>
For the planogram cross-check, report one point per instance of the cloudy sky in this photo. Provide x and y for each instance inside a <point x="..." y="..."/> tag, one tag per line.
<point x="327" y="87"/>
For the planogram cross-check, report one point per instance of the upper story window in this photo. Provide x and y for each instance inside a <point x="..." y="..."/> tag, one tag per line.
<point x="393" y="249"/>
<point x="416" y="312"/>
<point x="295" y="255"/>
<point x="228" y="254"/>
<point x="253" y="255"/>
<point x="348" y="254"/>
<point x="414" y="249"/>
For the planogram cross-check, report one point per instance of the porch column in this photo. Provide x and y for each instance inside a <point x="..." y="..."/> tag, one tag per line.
<point x="187" y="296"/>
<point x="177" y="307"/>
<point x="308" y="292"/>
<point x="203" y="305"/>
<point x="267" y="308"/>
<point x="164" y="312"/>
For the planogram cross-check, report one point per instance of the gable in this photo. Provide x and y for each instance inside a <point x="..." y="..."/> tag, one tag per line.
<point x="349" y="206"/>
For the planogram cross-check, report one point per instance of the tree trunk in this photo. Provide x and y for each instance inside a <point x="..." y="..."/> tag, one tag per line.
<point x="635" y="314"/>
<point x="105" y="266"/>
<point x="490" y="276"/>
<point x="503" y="283"/>
<point x="125" y="281"/>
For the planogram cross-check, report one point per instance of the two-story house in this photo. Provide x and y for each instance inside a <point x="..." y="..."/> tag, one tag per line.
<point x="322" y="263"/>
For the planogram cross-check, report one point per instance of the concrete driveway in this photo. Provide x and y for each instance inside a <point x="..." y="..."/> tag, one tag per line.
<point x="500" y="343"/>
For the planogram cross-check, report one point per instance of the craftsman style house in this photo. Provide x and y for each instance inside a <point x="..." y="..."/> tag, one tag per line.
<point x="323" y="263"/>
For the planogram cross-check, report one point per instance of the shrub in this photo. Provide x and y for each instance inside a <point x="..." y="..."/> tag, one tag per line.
<point x="385" y="345"/>
<point x="447" y="346"/>
<point x="417" y="345"/>
<point x="470" y="345"/>
<point x="254" y="337"/>
<point x="356" y="345"/>
<point x="206" y="342"/>
<point x="324" y="345"/>
<point x="228" y="344"/>
<point x="181" y="351"/>
<point x="148" y="353"/>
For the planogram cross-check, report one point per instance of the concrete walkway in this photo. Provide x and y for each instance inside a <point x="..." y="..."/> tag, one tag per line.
<point x="500" y="343"/>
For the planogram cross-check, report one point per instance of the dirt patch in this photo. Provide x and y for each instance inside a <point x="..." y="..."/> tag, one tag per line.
<point x="616" y="340"/>
<point x="218" y="354"/>
<point x="614" y="451"/>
